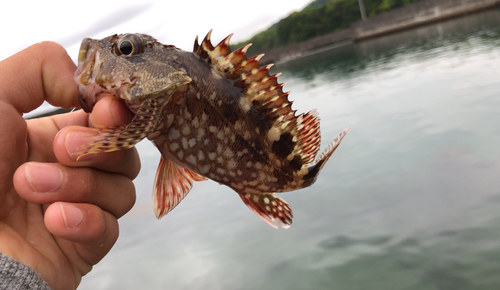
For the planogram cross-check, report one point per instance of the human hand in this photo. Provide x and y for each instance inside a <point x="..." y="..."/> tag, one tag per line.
<point x="57" y="215"/>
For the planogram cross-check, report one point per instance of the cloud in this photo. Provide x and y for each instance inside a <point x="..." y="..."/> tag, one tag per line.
<point x="114" y="19"/>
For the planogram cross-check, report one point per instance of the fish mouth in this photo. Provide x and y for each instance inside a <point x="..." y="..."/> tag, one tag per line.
<point x="85" y="75"/>
<point x="83" y="104"/>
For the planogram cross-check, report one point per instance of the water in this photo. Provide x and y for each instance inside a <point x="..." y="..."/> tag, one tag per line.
<point x="410" y="200"/>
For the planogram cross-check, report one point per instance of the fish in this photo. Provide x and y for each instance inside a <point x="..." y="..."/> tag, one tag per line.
<point x="213" y="113"/>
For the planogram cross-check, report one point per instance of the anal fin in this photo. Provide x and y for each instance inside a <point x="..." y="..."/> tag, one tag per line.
<point x="172" y="184"/>
<point x="270" y="208"/>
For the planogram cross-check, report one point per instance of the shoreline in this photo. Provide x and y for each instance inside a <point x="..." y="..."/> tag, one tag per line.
<point x="413" y="15"/>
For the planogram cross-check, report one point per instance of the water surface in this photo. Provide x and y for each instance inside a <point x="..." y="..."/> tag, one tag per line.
<point x="410" y="200"/>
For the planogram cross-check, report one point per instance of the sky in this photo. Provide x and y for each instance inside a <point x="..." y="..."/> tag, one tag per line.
<point x="171" y="22"/>
<point x="24" y="23"/>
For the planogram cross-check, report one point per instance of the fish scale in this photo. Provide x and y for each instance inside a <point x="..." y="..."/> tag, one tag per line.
<point x="213" y="113"/>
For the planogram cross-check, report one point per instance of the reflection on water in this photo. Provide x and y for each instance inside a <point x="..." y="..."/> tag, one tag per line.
<point x="410" y="200"/>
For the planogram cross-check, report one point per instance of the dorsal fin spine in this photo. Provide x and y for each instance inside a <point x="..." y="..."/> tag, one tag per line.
<point x="196" y="46"/>
<point x="265" y="94"/>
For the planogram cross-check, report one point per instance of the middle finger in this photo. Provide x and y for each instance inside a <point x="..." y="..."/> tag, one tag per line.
<point x="44" y="183"/>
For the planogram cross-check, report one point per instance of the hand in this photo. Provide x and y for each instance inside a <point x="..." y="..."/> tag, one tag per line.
<point x="57" y="215"/>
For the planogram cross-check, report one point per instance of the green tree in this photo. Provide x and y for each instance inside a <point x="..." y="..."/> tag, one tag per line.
<point x="318" y="18"/>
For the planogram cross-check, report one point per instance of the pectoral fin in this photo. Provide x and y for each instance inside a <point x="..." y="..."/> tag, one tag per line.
<point x="172" y="184"/>
<point x="125" y="137"/>
<point x="270" y="208"/>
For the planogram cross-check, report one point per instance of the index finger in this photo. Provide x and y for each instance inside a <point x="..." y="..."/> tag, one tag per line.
<point x="43" y="71"/>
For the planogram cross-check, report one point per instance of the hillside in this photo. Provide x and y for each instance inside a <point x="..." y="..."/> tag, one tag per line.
<point x="317" y="18"/>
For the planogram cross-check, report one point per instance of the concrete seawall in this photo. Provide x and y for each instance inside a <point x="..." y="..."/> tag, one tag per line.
<point x="421" y="13"/>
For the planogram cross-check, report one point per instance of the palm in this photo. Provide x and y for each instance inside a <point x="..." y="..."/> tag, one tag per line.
<point x="22" y="222"/>
<point x="33" y="212"/>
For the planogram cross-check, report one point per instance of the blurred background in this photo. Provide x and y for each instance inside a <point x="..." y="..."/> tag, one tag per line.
<point x="410" y="200"/>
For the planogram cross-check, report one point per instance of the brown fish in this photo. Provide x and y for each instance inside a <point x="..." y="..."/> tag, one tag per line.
<point x="212" y="113"/>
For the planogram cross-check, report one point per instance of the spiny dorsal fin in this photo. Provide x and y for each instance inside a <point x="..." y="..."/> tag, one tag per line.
<point x="257" y="85"/>
<point x="292" y="141"/>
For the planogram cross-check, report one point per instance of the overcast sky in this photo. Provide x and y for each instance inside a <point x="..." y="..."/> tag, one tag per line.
<point x="171" y="22"/>
<point x="24" y="23"/>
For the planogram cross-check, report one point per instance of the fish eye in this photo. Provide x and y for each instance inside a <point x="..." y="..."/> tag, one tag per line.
<point x="129" y="45"/>
<point x="126" y="47"/>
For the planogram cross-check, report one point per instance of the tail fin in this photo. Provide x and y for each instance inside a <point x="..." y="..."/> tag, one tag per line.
<point x="321" y="158"/>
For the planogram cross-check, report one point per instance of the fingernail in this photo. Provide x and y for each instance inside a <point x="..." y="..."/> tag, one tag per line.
<point x="71" y="214"/>
<point x="74" y="140"/>
<point x="43" y="177"/>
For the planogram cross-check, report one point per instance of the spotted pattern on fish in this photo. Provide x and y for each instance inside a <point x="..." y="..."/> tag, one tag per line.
<point x="213" y="113"/>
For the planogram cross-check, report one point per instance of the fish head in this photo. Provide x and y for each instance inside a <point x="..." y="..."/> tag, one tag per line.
<point x="132" y="67"/>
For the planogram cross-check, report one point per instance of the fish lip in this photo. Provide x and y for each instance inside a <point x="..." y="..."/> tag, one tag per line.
<point x="84" y="104"/>
<point x="88" y="89"/>
<point x="82" y="52"/>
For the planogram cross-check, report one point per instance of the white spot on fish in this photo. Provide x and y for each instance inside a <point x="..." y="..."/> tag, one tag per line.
<point x="186" y="130"/>
<point x="237" y="125"/>
<point x="201" y="133"/>
<point x="204" y="117"/>
<point x="173" y="134"/>
<point x="228" y="153"/>
<point x="174" y="146"/>
<point x="204" y="169"/>
<point x="244" y="105"/>
<point x="273" y="134"/>
<point x="195" y="122"/>
<point x="231" y="164"/>
<point x="237" y="185"/>
<point x="191" y="159"/>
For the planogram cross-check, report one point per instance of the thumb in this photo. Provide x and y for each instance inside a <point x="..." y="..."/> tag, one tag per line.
<point x="43" y="71"/>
